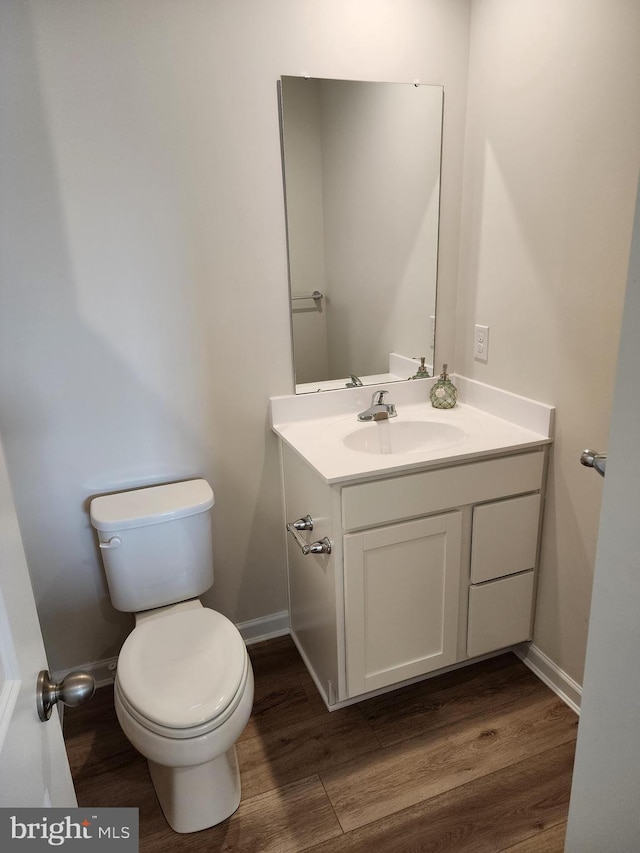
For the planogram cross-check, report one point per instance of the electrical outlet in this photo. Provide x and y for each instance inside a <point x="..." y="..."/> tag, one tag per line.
<point x="481" y="343"/>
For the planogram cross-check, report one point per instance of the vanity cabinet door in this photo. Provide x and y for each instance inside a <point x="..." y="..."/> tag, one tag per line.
<point x="401" y="601"/>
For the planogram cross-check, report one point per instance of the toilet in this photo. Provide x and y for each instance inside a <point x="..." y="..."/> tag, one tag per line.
<point x="184" y="684"/>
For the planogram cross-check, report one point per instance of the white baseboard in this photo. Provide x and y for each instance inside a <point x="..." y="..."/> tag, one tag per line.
<point x="253" y="631"/>
<point x="550" y="673"/>
<point x="103" y="671"/>
<point x="264" y="628"/>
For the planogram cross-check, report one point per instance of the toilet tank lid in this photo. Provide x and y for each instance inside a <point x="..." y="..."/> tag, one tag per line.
<point x="150" y="505"/>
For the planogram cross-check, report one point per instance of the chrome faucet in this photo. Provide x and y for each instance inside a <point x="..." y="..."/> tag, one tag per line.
<point x="378" y="410"/>
<point x="355" y="382"/>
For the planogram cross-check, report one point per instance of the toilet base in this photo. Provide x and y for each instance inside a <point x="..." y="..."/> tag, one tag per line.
<point x="195" y="798"/>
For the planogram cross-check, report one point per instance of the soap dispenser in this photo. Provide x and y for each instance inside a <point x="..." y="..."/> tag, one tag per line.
<point x="422" y="372"/>
<point x="444" y="393"/>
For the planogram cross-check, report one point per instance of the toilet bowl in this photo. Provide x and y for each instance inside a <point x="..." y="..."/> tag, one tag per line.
<point x="183" y="695"/>
<point x="184" y="683"/>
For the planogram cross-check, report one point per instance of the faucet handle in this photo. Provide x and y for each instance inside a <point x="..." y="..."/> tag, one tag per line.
<point x="378" y="398"/>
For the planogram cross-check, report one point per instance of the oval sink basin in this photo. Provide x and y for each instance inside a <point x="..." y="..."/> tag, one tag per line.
<point x="403" y="436"/>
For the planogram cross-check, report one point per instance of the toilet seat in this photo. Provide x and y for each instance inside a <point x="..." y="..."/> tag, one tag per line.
<point x="188" y="733"/>
<point x="182" y="674"/>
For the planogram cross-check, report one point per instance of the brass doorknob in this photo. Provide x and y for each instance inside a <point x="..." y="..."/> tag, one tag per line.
<point x="74" y="689"/>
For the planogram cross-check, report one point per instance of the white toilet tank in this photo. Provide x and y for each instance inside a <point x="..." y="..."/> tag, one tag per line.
<point x="155" y="543"/>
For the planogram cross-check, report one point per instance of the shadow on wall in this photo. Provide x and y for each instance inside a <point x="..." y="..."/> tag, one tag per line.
<point x="81" y="412"/>
<point x="254" y="519"/>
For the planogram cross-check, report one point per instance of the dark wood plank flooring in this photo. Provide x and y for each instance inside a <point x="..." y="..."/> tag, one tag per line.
<point x="474" y="760"/>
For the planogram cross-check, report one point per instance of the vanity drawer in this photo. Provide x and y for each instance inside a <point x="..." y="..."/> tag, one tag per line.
<point x="413" y="495"/>
<point x="505" y="538"/>
<point x="499" y="614"/>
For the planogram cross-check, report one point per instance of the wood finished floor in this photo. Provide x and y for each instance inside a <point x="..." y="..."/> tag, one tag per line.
<point x="475" y="760"/>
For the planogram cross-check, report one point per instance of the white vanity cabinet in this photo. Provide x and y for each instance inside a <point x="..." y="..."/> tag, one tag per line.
<point x="427" y="569"/>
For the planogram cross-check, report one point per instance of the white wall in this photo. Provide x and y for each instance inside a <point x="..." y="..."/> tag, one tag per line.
<point x="144" y="314"/>
<point x="551" y="164"/>
<point x="144" y="317"/>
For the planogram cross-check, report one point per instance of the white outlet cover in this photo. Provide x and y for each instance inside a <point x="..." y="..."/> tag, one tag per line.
<point x="481" y="343"/>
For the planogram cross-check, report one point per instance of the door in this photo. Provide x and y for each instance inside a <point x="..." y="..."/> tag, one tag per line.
<point x="34" y="770"/>
<point x="401" y="600"/>
<point x="604" y="812"/>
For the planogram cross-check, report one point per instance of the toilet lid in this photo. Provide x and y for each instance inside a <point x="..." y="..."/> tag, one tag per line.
<point x="182" y="669"/>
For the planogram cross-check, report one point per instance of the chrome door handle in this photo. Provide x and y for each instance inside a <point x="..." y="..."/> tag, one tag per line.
<point x="593" y="459"/>
<point x="74" y="689"/>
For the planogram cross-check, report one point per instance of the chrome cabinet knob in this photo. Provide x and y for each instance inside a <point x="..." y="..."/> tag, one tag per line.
<point x="74" y="689"/>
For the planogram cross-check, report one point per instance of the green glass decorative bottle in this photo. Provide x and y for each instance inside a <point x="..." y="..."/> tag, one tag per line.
<point x="422" y="372"/>
<point x="444" y="393"/>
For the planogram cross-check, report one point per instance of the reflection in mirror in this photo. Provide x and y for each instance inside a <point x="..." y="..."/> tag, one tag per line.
<point x="362" y="184"/>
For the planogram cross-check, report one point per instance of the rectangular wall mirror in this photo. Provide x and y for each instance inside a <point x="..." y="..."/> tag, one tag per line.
<point x="361" y="168"/>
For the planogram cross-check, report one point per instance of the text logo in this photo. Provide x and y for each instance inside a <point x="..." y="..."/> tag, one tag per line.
<point x="30" y="829"/>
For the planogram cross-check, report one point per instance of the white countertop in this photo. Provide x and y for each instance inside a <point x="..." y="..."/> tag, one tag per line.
<point x="487" y="422"/>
